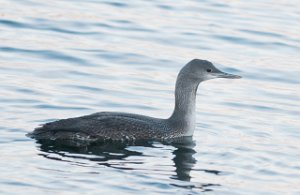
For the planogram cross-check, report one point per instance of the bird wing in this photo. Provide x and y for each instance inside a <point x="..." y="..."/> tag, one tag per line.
<point x="99" y="125"/>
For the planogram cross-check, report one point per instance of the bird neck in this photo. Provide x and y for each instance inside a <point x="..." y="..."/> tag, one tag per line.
<point x="184" y="114"/>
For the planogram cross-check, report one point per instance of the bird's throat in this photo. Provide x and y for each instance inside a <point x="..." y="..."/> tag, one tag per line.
<point x="184" y="114"/>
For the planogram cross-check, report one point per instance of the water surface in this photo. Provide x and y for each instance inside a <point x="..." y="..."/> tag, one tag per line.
<point x="61" y="59"/>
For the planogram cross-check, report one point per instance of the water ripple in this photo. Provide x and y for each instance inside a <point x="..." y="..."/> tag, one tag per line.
<point x="51" y="55"/>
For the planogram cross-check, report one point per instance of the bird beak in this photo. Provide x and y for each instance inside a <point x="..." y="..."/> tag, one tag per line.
<point x="221" y="74"/>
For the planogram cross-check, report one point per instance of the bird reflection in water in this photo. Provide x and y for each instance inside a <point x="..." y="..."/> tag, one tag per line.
<point x="107" y="152"/>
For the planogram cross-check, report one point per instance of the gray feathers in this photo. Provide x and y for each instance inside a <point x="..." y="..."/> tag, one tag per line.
<point x="104" y="125"/>
<point x="126" y="126"/>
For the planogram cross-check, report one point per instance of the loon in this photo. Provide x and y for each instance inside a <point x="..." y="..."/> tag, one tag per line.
<point x="119" y="126"/>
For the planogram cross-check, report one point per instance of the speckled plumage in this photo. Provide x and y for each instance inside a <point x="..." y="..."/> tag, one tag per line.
<point x="127" y="126"/>
<point x="106" y="125"/>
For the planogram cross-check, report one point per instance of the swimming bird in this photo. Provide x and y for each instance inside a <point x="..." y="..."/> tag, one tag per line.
<point x="126" y="126"/>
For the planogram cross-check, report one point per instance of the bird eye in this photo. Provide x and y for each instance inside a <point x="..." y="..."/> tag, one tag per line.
<point x="209" y="70"/>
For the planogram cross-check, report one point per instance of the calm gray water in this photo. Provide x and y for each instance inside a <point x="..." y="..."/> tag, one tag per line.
<point x="61" y="59"/>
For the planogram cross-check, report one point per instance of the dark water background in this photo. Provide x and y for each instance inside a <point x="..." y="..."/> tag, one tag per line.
<point x="63" y="58"/>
